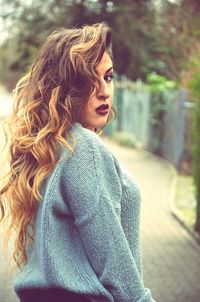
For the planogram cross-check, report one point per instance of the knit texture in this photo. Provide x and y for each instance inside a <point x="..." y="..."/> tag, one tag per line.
<point x="87" y="228"/>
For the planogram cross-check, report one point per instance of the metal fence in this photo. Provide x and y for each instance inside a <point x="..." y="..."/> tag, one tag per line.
<point x="134" y="106"/>
<point x="174" y="126"/>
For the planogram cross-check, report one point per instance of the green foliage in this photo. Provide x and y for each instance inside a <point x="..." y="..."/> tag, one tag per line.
<point x="145" y="38"/>
<point x="135" y="47"/>
<point x="125" y="139"/>
<point x="15" y="56"/>
<point x="179" y="23"/>
<point x="194" y="85"/>
<point x="185" y="199"/>
<point x="195" y="89"/>
<point x="159" y="84"/>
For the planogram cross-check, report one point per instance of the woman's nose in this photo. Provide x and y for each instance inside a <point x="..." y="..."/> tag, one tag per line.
<point x="103" y="91"/>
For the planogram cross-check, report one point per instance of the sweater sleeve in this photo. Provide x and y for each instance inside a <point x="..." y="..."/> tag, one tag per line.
<point x="93" y="192"/>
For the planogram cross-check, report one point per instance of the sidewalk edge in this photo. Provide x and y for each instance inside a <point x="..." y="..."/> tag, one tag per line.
<point x="175" y="212"/>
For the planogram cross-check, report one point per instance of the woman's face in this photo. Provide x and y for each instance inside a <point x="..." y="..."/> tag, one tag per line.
<point x="100" y="101"/>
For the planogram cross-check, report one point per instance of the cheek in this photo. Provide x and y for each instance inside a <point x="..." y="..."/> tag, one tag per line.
<point x="89" y="106"/>
<point x="111" y="92"/>
<point x="92" y="101"/>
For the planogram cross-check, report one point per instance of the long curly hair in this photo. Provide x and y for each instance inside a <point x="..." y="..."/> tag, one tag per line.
<point x="47" y="101"/>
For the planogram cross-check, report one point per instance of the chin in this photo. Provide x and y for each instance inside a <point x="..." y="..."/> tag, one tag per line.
<point x="101" y="124"/>
<point x="97" y="123"/>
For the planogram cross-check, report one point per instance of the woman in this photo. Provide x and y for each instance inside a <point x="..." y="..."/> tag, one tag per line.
<point x="73" y="210"/>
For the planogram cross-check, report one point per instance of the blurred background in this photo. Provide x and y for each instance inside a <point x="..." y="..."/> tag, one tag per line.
<point x="156" y="45"/>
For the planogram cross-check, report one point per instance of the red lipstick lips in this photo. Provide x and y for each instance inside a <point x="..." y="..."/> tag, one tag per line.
<point x="102" y="109"/>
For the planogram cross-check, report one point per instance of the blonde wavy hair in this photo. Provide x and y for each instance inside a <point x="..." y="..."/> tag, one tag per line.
<point x="47" y="101"/>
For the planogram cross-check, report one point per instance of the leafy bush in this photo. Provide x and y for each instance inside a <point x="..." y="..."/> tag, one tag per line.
<point x="195" y="89"/>
<point x="158" y="85"/>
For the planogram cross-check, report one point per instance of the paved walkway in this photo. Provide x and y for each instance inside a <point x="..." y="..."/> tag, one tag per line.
<point x="171" y="257"/>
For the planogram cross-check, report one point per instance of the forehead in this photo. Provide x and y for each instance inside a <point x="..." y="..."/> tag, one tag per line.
<point x="104" y="64"/>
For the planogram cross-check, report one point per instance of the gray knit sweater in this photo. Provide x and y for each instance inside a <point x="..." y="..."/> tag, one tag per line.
<point x="87" y="228"/>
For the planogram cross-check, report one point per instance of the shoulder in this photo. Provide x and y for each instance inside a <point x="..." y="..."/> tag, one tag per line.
<point x="91" y="162"/>
<point x="89" y="145"/>
<point x="87" y="137"/>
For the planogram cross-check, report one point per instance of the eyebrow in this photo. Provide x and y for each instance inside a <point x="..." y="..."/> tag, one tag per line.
<point x="109" y="69"/>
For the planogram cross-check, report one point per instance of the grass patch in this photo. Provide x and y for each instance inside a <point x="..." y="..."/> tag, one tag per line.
<point x="125" y="139"/>
<point x="185" y="199"/>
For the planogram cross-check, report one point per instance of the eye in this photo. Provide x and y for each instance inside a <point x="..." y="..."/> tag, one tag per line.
<point x="109" y="77"/>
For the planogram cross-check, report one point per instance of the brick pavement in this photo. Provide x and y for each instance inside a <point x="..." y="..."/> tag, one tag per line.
<point x="171" y="257"/>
